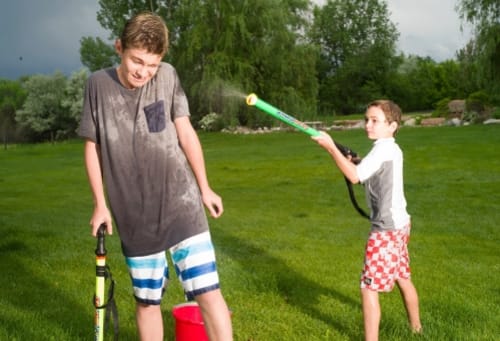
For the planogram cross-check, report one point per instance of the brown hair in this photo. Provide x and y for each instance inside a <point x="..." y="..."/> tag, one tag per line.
<point x="146" y="31"/>
<point x="391" y="110"/>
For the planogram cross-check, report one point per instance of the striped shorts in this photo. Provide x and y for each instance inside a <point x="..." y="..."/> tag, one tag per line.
<point x="194" y="262"/>
<point x="386" y="259"/>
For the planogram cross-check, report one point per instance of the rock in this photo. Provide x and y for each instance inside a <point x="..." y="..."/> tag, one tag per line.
<point x="411" y="122"/>
<point x="492" y="121"/>
<point x="433" y="121"/>
<point x="456" y="122"/>
<point x="456" y="107"/>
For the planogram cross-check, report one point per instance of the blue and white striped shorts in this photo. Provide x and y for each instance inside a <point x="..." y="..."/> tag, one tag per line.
<point x="194" y="262"/>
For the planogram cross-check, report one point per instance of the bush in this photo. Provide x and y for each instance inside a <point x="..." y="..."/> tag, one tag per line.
<point x="496" y="113"/>
<point x="441" y="108"/>
<point x="471" y="117"/>
<point x="477" y="101"/>
<point x="211" y="122"/>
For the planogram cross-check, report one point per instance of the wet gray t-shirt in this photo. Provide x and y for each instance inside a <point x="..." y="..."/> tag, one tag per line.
<point x="152" y="192"/>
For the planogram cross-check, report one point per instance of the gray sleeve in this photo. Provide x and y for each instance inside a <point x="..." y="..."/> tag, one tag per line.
<point x="88" y="123"/>
<point x="180" y="106"/>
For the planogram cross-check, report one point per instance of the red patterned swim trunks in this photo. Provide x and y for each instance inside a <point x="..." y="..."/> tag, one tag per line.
<point x="386" y="259"/>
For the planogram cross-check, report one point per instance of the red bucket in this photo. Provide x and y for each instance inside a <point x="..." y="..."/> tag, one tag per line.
<point x="189" y="324"/>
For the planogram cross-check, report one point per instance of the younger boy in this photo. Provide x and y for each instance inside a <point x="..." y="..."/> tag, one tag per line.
<point x="386" y="255"/>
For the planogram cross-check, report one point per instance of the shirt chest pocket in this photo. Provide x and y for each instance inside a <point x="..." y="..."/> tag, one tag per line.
<point x="155" y="116"/>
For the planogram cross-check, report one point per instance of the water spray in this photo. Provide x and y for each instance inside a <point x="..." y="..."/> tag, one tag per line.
<point x="253" y="100"/>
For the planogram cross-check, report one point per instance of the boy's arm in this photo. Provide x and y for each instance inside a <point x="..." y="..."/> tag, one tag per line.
<point x="343" y="163"/>
<point x="191" y="146"/>
<point x="101" y="212"/>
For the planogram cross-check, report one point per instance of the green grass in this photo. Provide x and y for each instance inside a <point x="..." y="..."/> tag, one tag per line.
<point x="289" y="245"/>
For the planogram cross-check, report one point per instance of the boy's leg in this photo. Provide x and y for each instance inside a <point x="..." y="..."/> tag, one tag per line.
<point x="194" y="260"/>
<point x="215" y="315"/>
<point x="406" y="287"/>
<point x="149" y="275"/>
<point x="149" y="322"/>
<point x="377" y="276"/>
<point x="410" y="299"/>
<point x="371" y="313"/>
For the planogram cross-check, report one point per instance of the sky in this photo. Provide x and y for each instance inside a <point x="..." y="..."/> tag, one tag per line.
<point x="42" y="37"/>
<point x="429" y="27"/>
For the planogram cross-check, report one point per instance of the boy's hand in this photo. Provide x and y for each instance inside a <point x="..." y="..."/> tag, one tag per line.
<point x="324" y="140"/>
<point x="213" y="203"/>
<point x="100" y="216"/>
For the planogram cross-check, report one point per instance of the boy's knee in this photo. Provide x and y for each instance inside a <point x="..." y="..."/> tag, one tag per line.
<point x="208" y="297"/>
<point x="147" y="307"/>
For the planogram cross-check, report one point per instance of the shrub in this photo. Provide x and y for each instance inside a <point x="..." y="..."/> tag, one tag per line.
<point x="471" y="117"/>
<point x="496" y="113"/>
<point x="477" y="101"/>
<point x="418" y="120"/>
<point x="211" y="122"/>
<point x="441" y="108"/>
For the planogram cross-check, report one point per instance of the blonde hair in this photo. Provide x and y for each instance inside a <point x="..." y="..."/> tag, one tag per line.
<point x="146" y="31"/>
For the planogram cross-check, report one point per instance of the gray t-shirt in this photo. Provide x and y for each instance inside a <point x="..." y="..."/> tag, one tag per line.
<point x="152" y="192"/>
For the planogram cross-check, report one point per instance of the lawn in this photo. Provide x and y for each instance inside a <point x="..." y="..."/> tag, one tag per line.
<point x="289" y="245"/>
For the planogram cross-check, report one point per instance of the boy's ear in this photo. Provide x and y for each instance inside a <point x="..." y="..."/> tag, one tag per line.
<point x="394" y="126"/>
<point x="118" y="46"/>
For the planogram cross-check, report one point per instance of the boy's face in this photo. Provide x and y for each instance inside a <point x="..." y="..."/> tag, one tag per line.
<point x="376" y="124"/>
<point x="137" y="66"/>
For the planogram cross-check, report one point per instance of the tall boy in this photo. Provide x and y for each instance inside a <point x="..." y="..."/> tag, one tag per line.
<point x="141" y="147"/>
<point x="386" y="255"/>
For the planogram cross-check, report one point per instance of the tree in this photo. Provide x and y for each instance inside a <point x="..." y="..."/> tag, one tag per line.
<point x="53" y="105"/>
<point x="12" y="97"/>
<point x="420" y="83"/>
<point x="245" y="45"/>
<point x="72" y="103"/>
<point x="485" y="16"/>
<point x="96" y="54"/>
<point x="469" y="75"/>
<point x="357" y="50"/>
<point x="225" y="47"/>
<point x="43" y="105"/>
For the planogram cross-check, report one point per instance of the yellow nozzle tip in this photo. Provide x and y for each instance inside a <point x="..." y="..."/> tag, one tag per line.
<point x="251" y="99"/>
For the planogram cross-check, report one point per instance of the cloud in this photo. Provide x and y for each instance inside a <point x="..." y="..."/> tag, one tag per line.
<point x="428" y="28"/>
<point x="46" y="34"/>
<point x="44" y="37"/>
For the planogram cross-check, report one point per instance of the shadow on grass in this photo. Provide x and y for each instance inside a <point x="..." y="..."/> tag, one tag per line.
<point x="36" y="307"/>
<point x="32" y="305"/>
<point x="296" y="289"/>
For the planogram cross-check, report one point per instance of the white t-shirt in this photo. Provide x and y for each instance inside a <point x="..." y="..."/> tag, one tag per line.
<point x="381" y="173"/>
